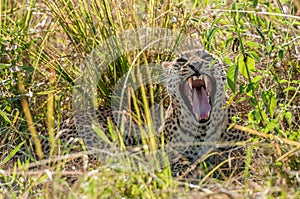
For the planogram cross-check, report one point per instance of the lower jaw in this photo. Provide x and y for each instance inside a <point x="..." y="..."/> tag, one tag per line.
<point x="190" y="108"/>
<point x="201" y="121"/>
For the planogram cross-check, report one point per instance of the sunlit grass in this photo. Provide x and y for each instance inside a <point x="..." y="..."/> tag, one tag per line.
<point x="43" y="44"/>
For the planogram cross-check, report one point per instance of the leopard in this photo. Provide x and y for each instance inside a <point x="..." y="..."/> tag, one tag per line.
<point x="196" y="121"/>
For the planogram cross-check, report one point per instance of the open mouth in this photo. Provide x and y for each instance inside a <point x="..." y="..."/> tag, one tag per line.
<point x="197" y="90"/>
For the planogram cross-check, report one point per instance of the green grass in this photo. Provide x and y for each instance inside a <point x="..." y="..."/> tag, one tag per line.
<point x="43" y="43"/>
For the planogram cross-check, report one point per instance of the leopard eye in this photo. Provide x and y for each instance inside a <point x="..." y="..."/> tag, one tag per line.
<point x="176" y="66"/>
<point x="181" y="61"/>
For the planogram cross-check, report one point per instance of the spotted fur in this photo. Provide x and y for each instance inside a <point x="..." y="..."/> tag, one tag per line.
<point x="186" y="138"/>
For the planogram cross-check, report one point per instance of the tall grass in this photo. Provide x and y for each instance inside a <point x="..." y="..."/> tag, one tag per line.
<point x="44" y="43"/>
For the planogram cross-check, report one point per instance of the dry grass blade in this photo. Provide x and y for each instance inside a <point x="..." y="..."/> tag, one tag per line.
<point x="267" y="136"/>
<point x="29" y="120"/>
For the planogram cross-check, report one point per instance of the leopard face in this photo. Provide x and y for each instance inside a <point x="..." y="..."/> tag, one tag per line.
<point x="196" y="115"/>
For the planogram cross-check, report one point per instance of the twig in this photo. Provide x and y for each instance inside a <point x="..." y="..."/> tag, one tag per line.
<point x="47" y="161"/>
<point x="267" y="136"/>
<point x="39" y="172"/>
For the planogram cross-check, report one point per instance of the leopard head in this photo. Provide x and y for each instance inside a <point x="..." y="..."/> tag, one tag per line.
<point x="196" y="83"/>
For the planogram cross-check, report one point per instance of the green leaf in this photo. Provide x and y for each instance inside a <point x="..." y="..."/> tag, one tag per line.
<point x="252" y="101"/>
<point x="296" y="81"/>
<point x="269" y="100"/>
<point x="242" y="88"/>
<point x="4" y="116"/>
<point x="281" y="115"/>
<point x="3" y="41"/>
<point x="12" y="153"/>
<point x="280" y="54"/>
<point x="249" y="88"/>
<point x="101" y="134"/>
<point x="289" y="117"/>
<point x="231" y="77"/>
<point x="283" y="81"/>
<point x="110" y="127"/>
<point x="2" y="65"/>
<point x="211" y="34"/>
<point x="255" y="3"/>
<point x="216" y="20"/>
<point x="291" y="88"/>
<point x="262" y="114"/>
<point x="243" y="65"/>
<point x="251" y="117"/>
<point x="252" y="44"/>
<point x="257" y="79"/>
<point x="270" y="126"/>
<point x="227" y="61"/>
<point x="269" y="47"/>
<point x="257" y="116"/>
<point x="228" y="41"/>
<point x="272" y="105"/>
<point x="250" y="64"/>
<point x="255" y="55"/>
<point x="28" y="68"/>
<point x="260" y="33"/>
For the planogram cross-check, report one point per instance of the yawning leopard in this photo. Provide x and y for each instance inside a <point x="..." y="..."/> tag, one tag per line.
<point x="196" y="120"/>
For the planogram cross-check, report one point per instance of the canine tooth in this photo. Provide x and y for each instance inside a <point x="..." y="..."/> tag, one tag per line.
<point x="206" y="80"/>
<point x="190" y="83"/>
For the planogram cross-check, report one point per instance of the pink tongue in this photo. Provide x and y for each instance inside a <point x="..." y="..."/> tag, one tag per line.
<point x="201" y="106"/>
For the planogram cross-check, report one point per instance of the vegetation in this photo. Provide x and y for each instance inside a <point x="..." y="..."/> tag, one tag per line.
<point x="43" y="44"/>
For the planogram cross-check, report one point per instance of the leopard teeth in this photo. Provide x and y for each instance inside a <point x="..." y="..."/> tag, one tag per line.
<point x="190" y="98"/>
<point x="206" y="80"/>
<point x="190" y="83"/>
<point x="198" y="77"/>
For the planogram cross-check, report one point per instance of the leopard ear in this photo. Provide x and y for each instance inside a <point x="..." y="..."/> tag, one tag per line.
<point x="166" y="65"/>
